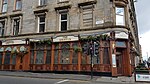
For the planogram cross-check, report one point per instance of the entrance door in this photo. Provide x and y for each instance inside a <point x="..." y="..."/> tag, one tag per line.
<point x="119" y="61"/>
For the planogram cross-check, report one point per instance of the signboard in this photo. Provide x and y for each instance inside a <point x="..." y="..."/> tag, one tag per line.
<point x="121" y="35"/>
<point x="65" y="38"/>
<point x="113" y="60"/>
<point x="12" y="42"/>
<point x="143" y="77"/>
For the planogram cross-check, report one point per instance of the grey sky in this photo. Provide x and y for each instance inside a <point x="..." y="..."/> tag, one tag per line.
<point x="143" y="12"/>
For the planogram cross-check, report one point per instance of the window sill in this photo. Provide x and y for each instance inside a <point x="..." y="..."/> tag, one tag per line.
<point x="16" y="10"/>
<point x="3" y="13"/>
<point x="59" y="2"/>
<point x="41" y="6"/>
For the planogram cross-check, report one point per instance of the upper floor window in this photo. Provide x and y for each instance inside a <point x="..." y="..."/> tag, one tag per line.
<point x="63" y="21"/>
<point x="2" y="28"/>
<point x="4" y="5"/>
<point x="18" y="5"/>
<point x="120" y="16"/>
<point x="16" y="25"/>
<point x="42" y="2"/>
<point x="41" y="23"/>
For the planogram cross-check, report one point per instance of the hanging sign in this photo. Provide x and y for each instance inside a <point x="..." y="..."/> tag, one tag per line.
<point x="65" y="38"/>
<point x="113" y="60"/>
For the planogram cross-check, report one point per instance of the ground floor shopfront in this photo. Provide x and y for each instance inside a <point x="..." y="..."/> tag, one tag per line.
<point x="63" y="54"/>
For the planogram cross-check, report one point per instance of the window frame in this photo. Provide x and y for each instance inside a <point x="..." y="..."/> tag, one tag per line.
<point x="42" y="2"/>
<point x="41" y="23"/>
<point x="16" y="4"/>
<point x="123" y="22"/>
<point x="61" y="20"/>
<point x="15" y="26"/>
<point x="3" y="5"/>
<point x="2" y="30"/>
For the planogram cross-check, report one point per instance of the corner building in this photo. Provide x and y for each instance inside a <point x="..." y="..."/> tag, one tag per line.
<point x="55" y="35"/>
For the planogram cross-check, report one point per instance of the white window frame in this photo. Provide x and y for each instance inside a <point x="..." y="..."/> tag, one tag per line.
<point x="16" y="5"/>
<point x="14" y="29"/>
<point x="42" y="2"/>
<point x="120" y="16"/>
<point x="60" y="21"/>
<point x="3" y="28"/>
<point x="4" y="5"/>
<point x="39" y="23"/>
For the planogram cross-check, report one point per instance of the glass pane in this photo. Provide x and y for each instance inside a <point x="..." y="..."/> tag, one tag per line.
<point x="65" y="53"/>
<point x="4" y="8"/>
<point x="32" y="57"/>
<point x="42" y="28"/>
<point x="42" y="18"/>
<point x="18" y="4"/>
<point x="63" y="25"/>
<point x="65" y="56"/>
<point x="39" y="57"/>
<point x="120" y="11"/>
<point x="5" y="1"/>
<point x="39" y="46"/>
<point x="120" y="44"/>
<point x="14" y="59"/>
<point x="56" y="57"/>
<point x="120" y="20"/>
<point x="75" y="54"/>
<point x="56" y="45"/>
<point x="1" y="57"/>
<point x="106" y="56"/>
<point x="48" y="57"/>
<point x="63" y="16"/>
<point x="7" y="58"/>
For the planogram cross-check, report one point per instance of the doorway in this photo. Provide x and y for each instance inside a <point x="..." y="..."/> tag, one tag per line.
<point x="119" y="60"/>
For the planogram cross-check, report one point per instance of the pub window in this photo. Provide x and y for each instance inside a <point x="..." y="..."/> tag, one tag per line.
<point x="16" y="26"/>
<point x="65" y="54"/>
<point x="41" y="23"/>
<point x="18" y="5"/>
<point x="120" y="16"/>
<point x="106" y="52"/>
<point x="42" y="2"/>
<point x="48" y="55"/>
<point x="7" y="58"/>
<point x="85" y="51"/>
<point x="4" y="6"/>
<point x="32" y="57"/>
<point x="63" y="21"/>
<point x="1" y="57"/>
<point x="14" y="59"/>
<point x="39" y="54"/>
<point x="75" y="54"/>
<point x="56" y="53"/>
<point x="2" y="28"/>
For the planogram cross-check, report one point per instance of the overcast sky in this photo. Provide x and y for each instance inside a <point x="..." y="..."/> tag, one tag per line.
<point x="143" y="19"/>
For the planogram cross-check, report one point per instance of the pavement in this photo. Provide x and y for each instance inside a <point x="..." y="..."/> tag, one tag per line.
<point x="101" y="79"/>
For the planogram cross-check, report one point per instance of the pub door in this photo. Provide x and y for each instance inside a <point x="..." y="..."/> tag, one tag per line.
<point x="119" y="61"/>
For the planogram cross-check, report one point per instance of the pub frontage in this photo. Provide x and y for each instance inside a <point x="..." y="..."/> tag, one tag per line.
<point x="69" y="54"/>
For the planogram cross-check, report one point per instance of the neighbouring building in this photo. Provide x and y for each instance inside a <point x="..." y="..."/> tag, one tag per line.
<point x="56" y="35"/>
